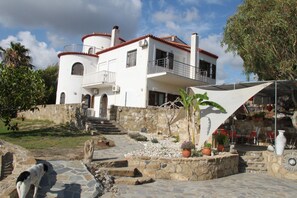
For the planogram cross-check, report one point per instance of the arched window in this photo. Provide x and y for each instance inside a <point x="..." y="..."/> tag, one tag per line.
<point x="62" y="98"/>
<point x="91" y="50"/>
<point x="77" y="69"/>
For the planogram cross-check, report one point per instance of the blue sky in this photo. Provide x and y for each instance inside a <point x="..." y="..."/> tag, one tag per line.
<point x="45" y="26"/>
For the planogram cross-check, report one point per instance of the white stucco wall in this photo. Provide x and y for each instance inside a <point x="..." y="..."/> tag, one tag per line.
<point x="100" y="42"/>
<point x="71" y="84"/>
<point x="131" y="80"/>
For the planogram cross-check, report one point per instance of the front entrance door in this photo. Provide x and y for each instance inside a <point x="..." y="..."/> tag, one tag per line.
<point x="103" y="106"/>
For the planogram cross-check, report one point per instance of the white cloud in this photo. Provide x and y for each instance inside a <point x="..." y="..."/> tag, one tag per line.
<point x="178" y="21"/>
<point x="71" y="17"/>
<point x="229" y="66"/>
<point x="196" y="2"/>
<point x="166" y="15"/>
<point x="42" y="55"/>
<point x="191" y="14"/>
<point x="55" y="40"/>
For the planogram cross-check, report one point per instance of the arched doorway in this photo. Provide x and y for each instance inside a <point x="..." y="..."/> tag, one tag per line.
<point x="103" y="106"/>
<point x="86" y="99"/>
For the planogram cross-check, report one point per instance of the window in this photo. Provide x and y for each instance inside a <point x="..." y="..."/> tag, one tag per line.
<point x="91" y="50"/>
<point x="173" y="97"/>
<point x="156" y="98"/>
<point x="213" y="71"/>
<point x="164" y="59"/>
<point x="204" y="67"/>
<point x="62" y="98"/>
<point x="77" y="69"/>
<point x="131" y="58"/>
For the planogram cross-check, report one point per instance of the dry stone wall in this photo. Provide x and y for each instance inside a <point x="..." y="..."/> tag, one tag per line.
<point x="150" y="119"/>
<point x="61" y="113"/>
<point x="22" y="160"/>
<point x="186" y="169"/>
<point x="277" y="166"/>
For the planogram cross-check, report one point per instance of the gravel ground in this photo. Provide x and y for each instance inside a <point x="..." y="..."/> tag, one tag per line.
<point x="166" y="147"/>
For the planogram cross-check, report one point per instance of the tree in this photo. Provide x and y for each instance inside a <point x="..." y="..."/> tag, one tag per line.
<point x="50" y="78"/>
<point x="16" y="55"/>
<point x="192" y="104"/>
<point x="264" y="34"/>
<point x="21" y="89"/>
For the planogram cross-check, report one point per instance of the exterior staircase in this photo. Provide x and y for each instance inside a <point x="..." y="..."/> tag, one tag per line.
<point x="120" y="170"/>
<point x="6" y="165"/>
<point x="251" y="162"/>
<point x="104" y="126"/>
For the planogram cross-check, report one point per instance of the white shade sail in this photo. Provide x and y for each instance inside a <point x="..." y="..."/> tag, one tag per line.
<point x="231" y="100"/>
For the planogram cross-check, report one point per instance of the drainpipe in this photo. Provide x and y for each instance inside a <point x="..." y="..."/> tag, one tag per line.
<point x="114" y="36"/>
<point x="194" y="56"/>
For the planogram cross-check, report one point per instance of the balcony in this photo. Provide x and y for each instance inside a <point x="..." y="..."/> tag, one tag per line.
<point x="98" y="79"/>
<point x="88" y="49"/>
<point x="175" y="72"/>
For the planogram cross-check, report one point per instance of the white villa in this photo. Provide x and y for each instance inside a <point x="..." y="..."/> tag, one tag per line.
<point x="106" y="70"/>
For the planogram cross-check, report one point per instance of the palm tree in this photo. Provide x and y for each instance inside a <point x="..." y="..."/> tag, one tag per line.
<point x="16" y="55"/>
<point x="192" y="104"/>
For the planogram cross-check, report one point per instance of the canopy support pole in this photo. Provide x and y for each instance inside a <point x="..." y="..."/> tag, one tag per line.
<point x="275" y="112"/>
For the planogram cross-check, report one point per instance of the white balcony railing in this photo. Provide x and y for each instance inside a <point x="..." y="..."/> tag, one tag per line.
<point x="178" y="68"/>
<point x="88" y="49"/>
<point x="98" y="78"/>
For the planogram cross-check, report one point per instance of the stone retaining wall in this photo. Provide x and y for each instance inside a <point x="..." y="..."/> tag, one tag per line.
<point x="150" y="119"/>
<point x="61" y="113"/>
<point x="186" y="169"/>
<point x="22" y="160"/>
<point x="276" y="165"/>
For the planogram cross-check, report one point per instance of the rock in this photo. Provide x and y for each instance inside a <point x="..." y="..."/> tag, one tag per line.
<point x="270" y="148"/>
<point x="88" y="151"/>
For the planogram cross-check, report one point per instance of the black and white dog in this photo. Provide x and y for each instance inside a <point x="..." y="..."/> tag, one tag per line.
<point x="32" y="176"/>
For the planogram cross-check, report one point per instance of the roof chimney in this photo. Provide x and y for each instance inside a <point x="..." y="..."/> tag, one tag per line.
<point x="194" y="48"/>
<point x="114" y="36"/>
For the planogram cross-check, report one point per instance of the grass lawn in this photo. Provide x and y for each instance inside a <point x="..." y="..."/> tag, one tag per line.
<point x="37" y="134"/>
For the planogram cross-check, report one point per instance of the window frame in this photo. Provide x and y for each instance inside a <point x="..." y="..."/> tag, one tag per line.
<point x="131" y="60"/>
<point x="76" y="70"/>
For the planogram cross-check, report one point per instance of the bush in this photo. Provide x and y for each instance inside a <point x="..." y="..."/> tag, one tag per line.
<point x="187" y="145"/>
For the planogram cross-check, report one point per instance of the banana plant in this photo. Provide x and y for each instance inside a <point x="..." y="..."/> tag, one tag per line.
<point x="192" y="104"/>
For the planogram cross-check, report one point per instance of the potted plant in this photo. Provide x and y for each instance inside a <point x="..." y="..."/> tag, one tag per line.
<point x="206" y="149"/>
<point x="222" y="140"/>
<point x="186" y="147"/>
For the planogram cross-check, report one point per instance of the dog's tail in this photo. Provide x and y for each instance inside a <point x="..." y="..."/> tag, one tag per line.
<point x="18" y="186"/>
<point x="21" y="178"/>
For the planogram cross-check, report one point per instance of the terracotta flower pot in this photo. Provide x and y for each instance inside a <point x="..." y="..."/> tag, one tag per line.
<point x="221" y="147"/>
<point x="186" y="153"/>
<point x="206" y="151"/>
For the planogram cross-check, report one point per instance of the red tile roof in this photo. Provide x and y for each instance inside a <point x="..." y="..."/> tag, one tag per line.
<point x="174" y="44"/>
<point x="76" y="53"/>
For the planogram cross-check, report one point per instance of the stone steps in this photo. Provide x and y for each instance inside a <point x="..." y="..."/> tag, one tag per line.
<point x="103" y="126"/>
<point x="120" y="170"/>
<point x="251" y="162"/>
<point x="112" y="163"/>
<point x="256" y="164"/>
<point x="133" y="180"/>
<point x="256" y="170"/>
